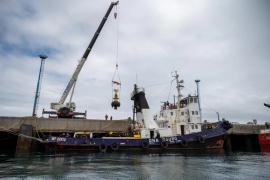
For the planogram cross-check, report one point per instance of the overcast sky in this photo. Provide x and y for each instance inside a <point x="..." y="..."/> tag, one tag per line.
<point x="225" y="44"/>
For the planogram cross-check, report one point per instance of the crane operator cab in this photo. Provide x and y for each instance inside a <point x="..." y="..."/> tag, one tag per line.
<point x="115" y="102"/>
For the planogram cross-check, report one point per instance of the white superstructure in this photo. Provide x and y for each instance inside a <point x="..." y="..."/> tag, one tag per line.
<point x="182" y="117"/>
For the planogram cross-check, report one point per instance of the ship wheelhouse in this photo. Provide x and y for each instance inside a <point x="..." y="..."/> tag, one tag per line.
<point x="189" y="120"/>
<point x="186" y="118"/>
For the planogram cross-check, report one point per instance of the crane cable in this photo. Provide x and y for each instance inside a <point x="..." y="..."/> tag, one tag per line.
<point x="114" y="82"/>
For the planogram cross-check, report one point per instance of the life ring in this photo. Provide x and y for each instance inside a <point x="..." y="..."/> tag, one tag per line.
<point x="201" y="139"/>
<point x="103" y="147"/>
<point x="184" y="143"/>
<point x="164" y="144"/>
<point x="145" y="145"/>
<point x="115" y="146"/>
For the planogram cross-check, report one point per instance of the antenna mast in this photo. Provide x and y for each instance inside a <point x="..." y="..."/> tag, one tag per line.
<point x="199" y="101"/>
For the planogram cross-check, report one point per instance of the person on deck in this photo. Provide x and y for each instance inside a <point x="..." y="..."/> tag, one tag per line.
<point x="111" y="118"/>
<point x="106" y="117"/>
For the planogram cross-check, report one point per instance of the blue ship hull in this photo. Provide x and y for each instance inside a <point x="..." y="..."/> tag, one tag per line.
<point x="206" y="139"/>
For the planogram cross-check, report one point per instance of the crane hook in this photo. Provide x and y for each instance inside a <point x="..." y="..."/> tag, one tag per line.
<point x="115" y="11"/>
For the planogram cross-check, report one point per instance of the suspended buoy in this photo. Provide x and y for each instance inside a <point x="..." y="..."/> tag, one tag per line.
<point x="115" y="102"/>
<point x="116" y="87"/>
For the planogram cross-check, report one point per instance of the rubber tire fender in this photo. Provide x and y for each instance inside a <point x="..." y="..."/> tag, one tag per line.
<point x="164" y="144"/>
<point x="145" y="145"/>
<point x="103" y="147"/>
<point x="201" y="139"/>
<point x="115" y="146"/>
<point x="184" y="143"/>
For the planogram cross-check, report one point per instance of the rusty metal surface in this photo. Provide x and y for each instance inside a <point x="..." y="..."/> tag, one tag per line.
<point x="66" y="125"/>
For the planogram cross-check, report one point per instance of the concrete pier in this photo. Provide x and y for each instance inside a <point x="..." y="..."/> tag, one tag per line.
<point x="228" y="145"/>
<point x="243" y="137"/>
<point x="246" y="129"/>
<point x="24" y="144"/>
<point x="63" y="125"/>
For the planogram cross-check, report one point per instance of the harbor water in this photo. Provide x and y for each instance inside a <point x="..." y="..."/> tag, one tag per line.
<point x="214" y="164"/>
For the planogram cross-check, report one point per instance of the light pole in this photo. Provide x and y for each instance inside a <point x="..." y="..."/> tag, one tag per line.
<point x="199" y="101"/>
<point x="42" y="57"/>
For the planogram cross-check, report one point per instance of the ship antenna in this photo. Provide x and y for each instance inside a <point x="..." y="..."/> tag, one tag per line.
<point x="199" y="99"/>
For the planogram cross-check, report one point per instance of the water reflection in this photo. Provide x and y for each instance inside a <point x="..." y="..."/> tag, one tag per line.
<point x="137" y="165"/>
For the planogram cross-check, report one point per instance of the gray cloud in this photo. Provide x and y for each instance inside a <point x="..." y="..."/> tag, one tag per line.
<point x="223" y="43"/>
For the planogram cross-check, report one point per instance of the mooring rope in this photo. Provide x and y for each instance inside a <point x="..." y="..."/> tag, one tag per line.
<point x="37" y="128"/>
<point x="22" y="135"/>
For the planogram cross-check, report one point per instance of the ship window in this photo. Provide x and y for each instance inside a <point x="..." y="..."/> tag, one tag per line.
<point x="193" y="113"/>
<point x="191" y="100"/>
<point x="171" y="113"/>
<point x="196" y="126"/>
<point x="195" y="100"/>
<point x="186" y="113"/>
<point x="192" y="126"/>
<point x="196" y="112"/>
<point x="182" y="113"/>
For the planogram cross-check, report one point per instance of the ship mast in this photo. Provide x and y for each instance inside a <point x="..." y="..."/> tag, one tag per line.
<point x="179" y="86"/>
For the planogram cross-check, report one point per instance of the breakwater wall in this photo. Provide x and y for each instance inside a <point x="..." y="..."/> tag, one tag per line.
<point x="63" y="125"/>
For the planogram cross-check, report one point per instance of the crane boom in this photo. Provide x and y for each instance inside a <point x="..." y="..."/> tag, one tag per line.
<point x="86" y="53"/>
<point x="74" y="77"/>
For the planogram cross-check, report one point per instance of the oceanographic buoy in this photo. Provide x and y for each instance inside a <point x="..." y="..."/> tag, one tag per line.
<point x="115" y="102"/>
